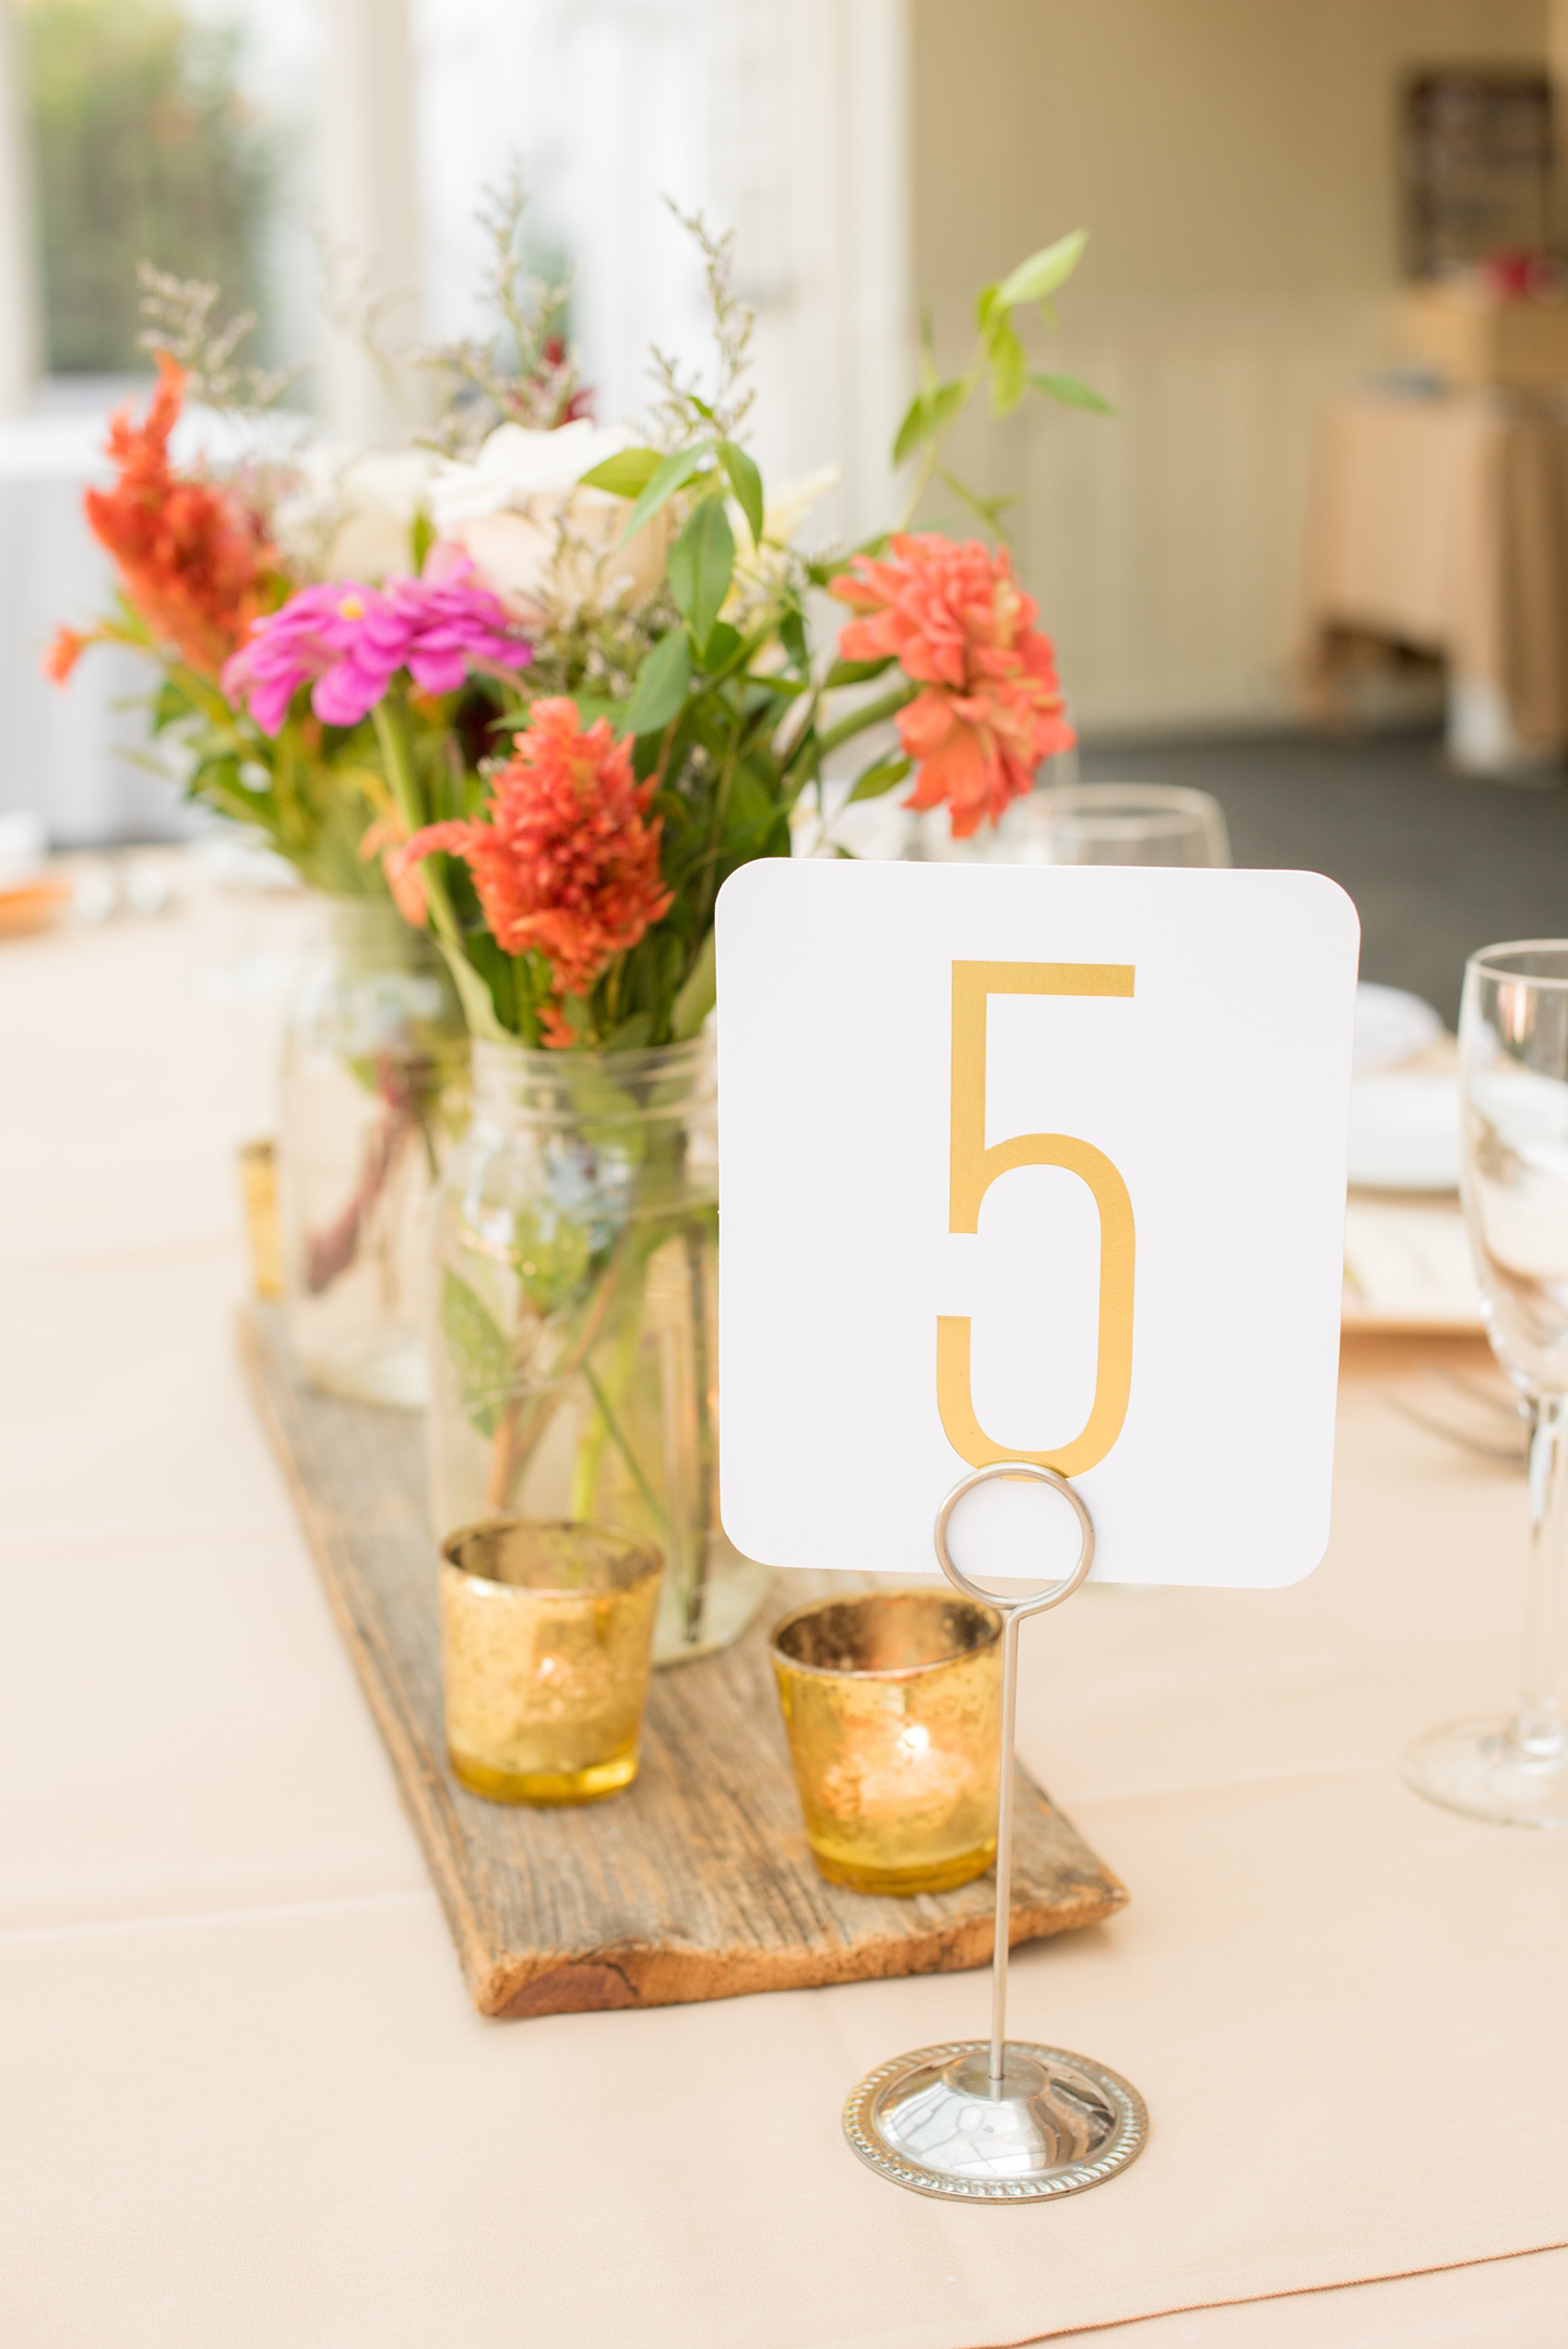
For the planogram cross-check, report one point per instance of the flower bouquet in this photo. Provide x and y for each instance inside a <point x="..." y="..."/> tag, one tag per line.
<point x="573" y="1336"/>
<point x="354" y="714"/>
<point x="546" y="732"/>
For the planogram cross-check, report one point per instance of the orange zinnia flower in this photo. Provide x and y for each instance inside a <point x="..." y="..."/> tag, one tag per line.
<point x="193" y="562"/>
<point x="565" y="859"/>
<point x="960" y="625"/>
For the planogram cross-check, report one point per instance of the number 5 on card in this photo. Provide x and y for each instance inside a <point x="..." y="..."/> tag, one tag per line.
<point x="1032" y="1163"/>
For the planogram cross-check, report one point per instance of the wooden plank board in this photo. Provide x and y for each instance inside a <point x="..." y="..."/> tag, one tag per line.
<point x="696" y="1883"/>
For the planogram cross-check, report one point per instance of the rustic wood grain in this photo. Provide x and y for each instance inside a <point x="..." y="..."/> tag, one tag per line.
<point x="697" y="1883"/>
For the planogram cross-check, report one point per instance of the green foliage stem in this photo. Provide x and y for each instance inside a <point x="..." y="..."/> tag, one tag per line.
<point x="998" y="354"/>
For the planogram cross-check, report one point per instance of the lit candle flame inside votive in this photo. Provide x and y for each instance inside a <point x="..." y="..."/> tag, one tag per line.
<point x="881" y="1778"/>
<point x="891" y="1703"/>
<point x="546" y="1633"/>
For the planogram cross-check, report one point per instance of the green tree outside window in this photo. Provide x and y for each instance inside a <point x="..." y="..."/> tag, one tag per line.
<point x="144" y="148"/>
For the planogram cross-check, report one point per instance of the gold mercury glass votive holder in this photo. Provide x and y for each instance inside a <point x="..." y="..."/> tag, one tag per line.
<point x="259" y="1183"/>
<point x="893" y="1705"/>
<point x="546" y="1632"/>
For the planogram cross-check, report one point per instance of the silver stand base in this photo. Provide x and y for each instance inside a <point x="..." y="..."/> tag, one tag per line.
<point x="929" y="2121"/>
<point x="1055" y="2122"/>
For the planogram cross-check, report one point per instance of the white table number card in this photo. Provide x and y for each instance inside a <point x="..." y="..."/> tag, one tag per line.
<point x="1037" y="1163"/>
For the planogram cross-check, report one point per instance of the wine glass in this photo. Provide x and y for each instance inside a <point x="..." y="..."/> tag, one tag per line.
<point x="1514" y="1180"/>
<point x="1162" y="823"/>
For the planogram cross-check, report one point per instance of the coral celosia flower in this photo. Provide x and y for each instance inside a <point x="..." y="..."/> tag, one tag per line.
<point x="348" y="641"/>
<point x="565" y="859"/>
<point x="65" y="652"/>
<point x="193" y="560"/>
<point x="959" y="625"/>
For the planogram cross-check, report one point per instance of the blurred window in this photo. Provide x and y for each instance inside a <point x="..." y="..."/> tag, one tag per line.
<point x="163" y="133"/>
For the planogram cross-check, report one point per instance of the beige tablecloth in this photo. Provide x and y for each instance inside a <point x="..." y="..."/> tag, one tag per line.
<point x="1443" y="525"/>
<point x="245" y="2102"/>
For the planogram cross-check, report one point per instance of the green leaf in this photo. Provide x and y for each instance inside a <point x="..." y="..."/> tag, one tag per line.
<point x="702" y="563"/>
<point x="985" y="306"/>
<point x="475" y="989"/>
<point x="912" y="431"/>
<point x="169" y="705"/>
<point x="792" y="635"/>
<point x="1043" y="272"/>
<point x="672" y="473"/>
<point x="746" y="482"/>
<point x="723" y="643"/>
<point x="697" y="993"/>
<point x="857" y="672"/>
<point x="928" y="349"/>
<point x="421" y="538"/>
<point x="1072" y="393"/>
<point x="1009" y="367"/>
<point x="990" y="509"/>
<point x="879" y="779"/>
<point x="927" y="413"/>
<point x="626" y="474"/>
<point x="478" y="1354"/>
<point x="663" y="683"/>
<point x="594" y="706"/>
<point x="550" y="1252"/>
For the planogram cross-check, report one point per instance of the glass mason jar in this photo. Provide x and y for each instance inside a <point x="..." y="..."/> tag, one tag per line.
<point x="375" y="1061"/>
<point x="574" y="1317"/>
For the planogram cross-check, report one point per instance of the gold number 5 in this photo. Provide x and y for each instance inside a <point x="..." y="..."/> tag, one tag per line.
<point x="972" y="1170"/>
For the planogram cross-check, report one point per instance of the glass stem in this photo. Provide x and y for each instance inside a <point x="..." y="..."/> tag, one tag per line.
<point x="1538" y="1724"/>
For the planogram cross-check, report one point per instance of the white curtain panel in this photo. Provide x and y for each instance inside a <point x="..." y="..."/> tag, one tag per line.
<point x="788" y="123"/>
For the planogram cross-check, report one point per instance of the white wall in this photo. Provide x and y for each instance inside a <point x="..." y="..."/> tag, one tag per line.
<point x="1234" y="162"/>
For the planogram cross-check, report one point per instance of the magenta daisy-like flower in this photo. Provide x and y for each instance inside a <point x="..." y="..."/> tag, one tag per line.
<point x="348" y="642"/>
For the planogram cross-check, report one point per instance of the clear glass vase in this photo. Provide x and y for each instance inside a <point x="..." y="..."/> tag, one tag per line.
<point x="373" y="1092"/>
<point x="574" y="1317"/>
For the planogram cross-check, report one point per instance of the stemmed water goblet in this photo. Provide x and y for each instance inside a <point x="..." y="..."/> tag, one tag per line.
<point x="1161" y="824"/>
<point x="1513" y="1088"/>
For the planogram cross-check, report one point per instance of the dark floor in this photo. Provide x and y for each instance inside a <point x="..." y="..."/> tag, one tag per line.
<point x="1437" y="864"/>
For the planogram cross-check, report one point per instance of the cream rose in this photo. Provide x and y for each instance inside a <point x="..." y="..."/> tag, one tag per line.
<point x="534" y="535"/>
<point x="351" y="513"/>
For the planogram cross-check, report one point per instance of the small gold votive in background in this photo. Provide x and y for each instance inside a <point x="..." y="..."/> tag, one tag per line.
<point x="546" y="1632"/>
<point x="258" y="1180"/>
<point x="892" y="1704"/>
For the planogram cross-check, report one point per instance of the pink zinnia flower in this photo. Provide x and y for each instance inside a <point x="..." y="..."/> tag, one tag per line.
<point x="959" y="625"/>
<point x="565" y="859"/>
<point x="349" y="641"/>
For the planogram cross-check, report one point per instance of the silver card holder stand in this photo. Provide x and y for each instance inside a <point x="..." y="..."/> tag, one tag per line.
<point x="1000" y="2120"/>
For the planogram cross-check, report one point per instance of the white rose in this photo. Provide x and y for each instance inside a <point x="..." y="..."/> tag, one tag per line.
<point x="351" y="513"/>
<point x="532" y="533"/>
<point x="516" y="466"/>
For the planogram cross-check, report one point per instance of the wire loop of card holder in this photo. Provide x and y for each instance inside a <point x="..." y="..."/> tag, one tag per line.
<point x="1004" y="2120"/>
